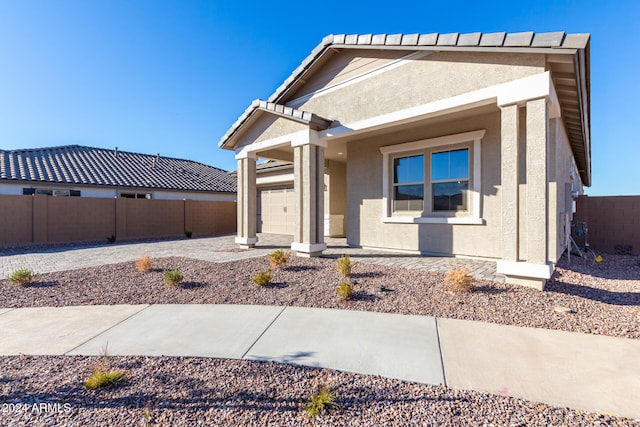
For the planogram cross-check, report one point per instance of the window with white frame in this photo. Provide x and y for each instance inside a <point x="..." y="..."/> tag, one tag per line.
<point x="450" y="180"/>
<point x="435" y="180"/>
<point x="408" y="183"/>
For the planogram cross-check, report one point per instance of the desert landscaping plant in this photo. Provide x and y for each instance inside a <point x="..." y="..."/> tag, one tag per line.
<point x="345" y="291"/>
<point x="323" y="399"/>
<point x="22" y="276"/>
<point x="263" y="278"/>
<point x="144" y="264"/>
<point x="172" y="277"/>
<point x="188" y="234"/>
<point x="278" y="258"/>
<point x="345" y="265"/>
<point x="103" y="376"/>
<point x="111" y="239"/>
<point x="459" y="280"/>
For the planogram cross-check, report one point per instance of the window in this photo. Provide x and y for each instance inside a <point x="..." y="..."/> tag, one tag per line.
<point x="136" y="195"/>
<point x="408" y="183"/>
<point x="51" y="192"/>
<point x="450" y="180"/>
<point x="435" y="180"/>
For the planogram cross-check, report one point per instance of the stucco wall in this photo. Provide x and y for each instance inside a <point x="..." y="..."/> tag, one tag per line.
<point x="437" y="76"/>
<point x="106" y="192"/>
<point x="364" y="193"/>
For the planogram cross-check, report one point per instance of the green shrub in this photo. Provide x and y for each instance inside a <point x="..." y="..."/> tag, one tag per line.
<point x="22" y="276"/>
<point x="458" y="280"/>
<point x="345" y="290"/>
<point x="278" y="258"/>
<point x="263" y="278"/>
<point x="103" y="378"/>
<point x="102" y="375"/>
<point x="188" y="234"/>
<point x="172" y="277"/>
<point x="111" y="239"/>
<point x="345" y="265"/>
<point x="323" y="400"/>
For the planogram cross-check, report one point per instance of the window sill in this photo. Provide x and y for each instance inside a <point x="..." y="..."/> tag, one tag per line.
<point x="432" y="220"/>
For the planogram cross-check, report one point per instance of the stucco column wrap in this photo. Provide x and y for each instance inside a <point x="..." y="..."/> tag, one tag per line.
<point x="509" y="185"/>
<point x="246" y="202"/>
<point x="537" y="200"/>
<point x="308" y="182"/>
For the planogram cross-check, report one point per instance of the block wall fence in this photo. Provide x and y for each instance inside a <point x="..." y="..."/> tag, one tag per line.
<point x="41" y="219"/>
<point x="613" y="222"/>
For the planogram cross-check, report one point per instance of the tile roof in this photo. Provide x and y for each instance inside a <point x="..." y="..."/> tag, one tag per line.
<point x="80" y="165"/>
<point x="313" y="120"/>
<point x="524" y="41"/>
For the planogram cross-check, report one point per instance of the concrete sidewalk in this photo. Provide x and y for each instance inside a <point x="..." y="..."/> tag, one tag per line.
<point x="589" y="372"/>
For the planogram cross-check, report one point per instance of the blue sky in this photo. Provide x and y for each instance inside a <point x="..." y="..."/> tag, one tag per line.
<point x="172" y="76"/>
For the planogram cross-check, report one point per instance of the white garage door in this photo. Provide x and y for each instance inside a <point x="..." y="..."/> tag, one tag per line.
<point x="275" y="210"/>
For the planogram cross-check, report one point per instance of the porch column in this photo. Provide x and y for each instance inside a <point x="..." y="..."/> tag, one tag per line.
<point x="246" y="203"/>
<point x="510" y="129"/>
<point x="308" y="183"/>
<point x="537" y="200"/>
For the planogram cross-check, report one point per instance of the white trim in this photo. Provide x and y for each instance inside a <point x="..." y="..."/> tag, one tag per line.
<point x="308" y="248"/>
<point x="471" y="220"/>
<point x="246" y="240"/>
<point x="514" y="92"/>
<point x="296" y="139"/>
<point x="295" y="103"/>
<point x="274" y="179"/>
<point x="525" y="269"/>
<point x="475" y="205"/>
<point x="434" y="142"/>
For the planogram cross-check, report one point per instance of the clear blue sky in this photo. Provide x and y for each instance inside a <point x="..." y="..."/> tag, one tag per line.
<point x="172" y="76"/>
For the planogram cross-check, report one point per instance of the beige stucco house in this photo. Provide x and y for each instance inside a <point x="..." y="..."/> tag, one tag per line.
<point x="450" y="144"/>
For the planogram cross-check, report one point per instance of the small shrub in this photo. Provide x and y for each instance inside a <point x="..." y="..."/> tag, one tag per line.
<point x="111" y="239"/>
<point x="144" y="264"/>
<point x="172" y="277"/>
<point x="458" y="280"/>
<point x="323" y="399"/>
<point x="188" y="234"/>
<point x="263" y="278"/>
<point x="345" y="265"/>
<point x="345" y="290"/>
<point x="278" y="258"/>
<point x="103" y="376"/>
<point x="22" y="276"/>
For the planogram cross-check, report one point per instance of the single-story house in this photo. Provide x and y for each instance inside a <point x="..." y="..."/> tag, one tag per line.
<point x="468" y="145"/>
<point x="75" y="170"/>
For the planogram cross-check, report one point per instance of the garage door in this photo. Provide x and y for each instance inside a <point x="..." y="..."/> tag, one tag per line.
<point x="275" y="210"/>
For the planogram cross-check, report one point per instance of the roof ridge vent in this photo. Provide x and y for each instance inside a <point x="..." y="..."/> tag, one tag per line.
<point x="115" y="153"/>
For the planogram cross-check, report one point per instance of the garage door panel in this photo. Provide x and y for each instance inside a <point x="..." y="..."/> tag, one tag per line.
<point x="276" y="210"/>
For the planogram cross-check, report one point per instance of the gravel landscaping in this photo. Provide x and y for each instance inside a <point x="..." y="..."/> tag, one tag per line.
<point x="604" y="299"/>
<point x="214" y="392"/>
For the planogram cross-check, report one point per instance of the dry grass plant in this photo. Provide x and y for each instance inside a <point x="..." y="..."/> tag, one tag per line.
<point x="459" y="280"/>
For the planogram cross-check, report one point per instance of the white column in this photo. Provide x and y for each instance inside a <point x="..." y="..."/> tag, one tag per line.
<point x="247" y="201"/>
<point x="308" y="182"/>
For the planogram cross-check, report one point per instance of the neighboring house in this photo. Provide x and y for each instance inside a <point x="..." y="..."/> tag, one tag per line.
<point x="75" y="170"/>
<point x="448" y="144"/>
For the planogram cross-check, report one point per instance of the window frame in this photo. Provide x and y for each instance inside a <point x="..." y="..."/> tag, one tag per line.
<point x="394" y="184"/>
<point x="427" y="147"/>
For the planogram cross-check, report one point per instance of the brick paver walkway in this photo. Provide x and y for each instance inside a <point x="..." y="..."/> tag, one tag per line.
<point x="223" y="249"/>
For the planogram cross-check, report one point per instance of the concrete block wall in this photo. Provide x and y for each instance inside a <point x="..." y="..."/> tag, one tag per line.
<point x="40" y="219"/>
<point x="612" y="221"/>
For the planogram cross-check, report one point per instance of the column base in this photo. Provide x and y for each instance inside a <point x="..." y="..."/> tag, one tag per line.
<point x="246" y="242"/>
<point x="307" y="250"/>
<point x="525" y="273"/>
